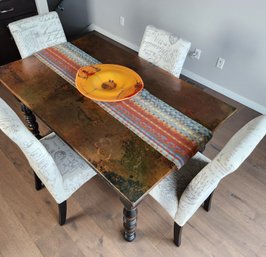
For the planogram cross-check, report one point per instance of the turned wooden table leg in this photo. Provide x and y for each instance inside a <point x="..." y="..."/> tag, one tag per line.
<point x="130" y="223"/>
<point x="31" y="121"/>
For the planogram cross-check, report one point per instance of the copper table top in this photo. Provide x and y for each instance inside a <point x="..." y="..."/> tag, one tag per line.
<point x="127" y="163"/>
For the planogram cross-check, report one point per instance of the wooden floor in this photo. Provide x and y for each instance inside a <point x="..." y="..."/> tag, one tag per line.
<point x="236" y="225"/>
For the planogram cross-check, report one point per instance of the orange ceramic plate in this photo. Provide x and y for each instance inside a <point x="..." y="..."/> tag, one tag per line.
<point x="108" y="82"/>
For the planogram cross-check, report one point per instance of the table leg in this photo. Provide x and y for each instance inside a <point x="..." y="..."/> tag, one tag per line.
<point x="31" y="121"/>
<point x="130" y="223"/>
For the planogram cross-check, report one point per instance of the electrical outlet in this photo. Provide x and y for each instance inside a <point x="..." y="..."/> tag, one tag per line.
<point x="195" y="54"/>
<point x="220" y="63"/>
<point x="122" y="21"/>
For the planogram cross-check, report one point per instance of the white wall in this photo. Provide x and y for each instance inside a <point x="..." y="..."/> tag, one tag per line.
<point x="234" y="30"/>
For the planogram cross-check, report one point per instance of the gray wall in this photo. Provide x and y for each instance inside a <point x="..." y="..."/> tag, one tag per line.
<point x="232" y="29"/>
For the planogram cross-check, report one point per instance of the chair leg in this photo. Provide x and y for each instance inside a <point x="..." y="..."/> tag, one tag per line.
<point x="208" y="202"/>
<point x="62" y="207"/>
<point x="177" y="234"/>
<point x="38" y="183"/>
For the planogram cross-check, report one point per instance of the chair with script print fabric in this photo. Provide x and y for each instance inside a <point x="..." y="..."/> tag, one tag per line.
<point x="37" y="32"/>
<point x="182" y="192"/>
<point x="55" y="164"/>
<point x="164" y="49"/>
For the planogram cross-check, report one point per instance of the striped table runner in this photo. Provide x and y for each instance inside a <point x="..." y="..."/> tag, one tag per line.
<point x="170" y="132"/>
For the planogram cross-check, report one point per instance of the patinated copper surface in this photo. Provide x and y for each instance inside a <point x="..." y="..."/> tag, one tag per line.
<point x="126" y="162"/>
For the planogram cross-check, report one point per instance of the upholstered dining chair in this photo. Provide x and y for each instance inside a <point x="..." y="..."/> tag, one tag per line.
<point x="37" y="32"/>
<point x="164" y="49"/>
<point x="184" y="191"/>
<point x="55" y="164"/>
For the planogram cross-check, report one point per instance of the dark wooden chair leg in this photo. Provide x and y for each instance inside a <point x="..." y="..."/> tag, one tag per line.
<point x="62" y="207"/>
<point x="38" y="183"/>
<point x="208" y="202"/>
<point x="177" y="234"/>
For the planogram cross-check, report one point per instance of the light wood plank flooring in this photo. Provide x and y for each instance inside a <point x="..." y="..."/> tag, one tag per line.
<point x="236" y="225"/>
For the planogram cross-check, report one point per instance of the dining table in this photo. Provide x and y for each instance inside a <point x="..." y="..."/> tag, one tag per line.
<point x="130" y="162"/>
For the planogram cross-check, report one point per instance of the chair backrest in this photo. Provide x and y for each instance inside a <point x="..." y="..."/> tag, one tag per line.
<point x="38" y="157"/>
<point x="164" y="49"/>
<point x="37" y="32"/>
<point x="239" y="147"/>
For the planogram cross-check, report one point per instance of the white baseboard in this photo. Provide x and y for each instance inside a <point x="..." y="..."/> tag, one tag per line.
<point x="251" y="104"/>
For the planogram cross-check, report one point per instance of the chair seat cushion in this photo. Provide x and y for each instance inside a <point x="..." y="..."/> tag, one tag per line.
<point x="170" y="189"/>
<point x="74" y="170"/>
